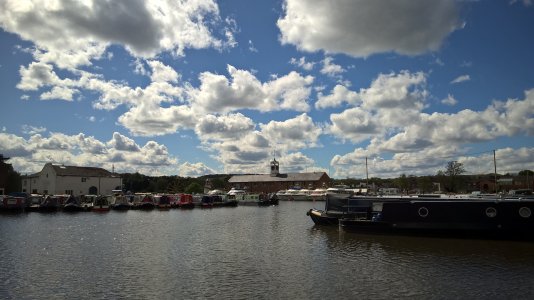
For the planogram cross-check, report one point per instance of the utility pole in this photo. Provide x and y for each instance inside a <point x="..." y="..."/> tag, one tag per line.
<point x="366" y="174"/>
<point x="495" y="166"/>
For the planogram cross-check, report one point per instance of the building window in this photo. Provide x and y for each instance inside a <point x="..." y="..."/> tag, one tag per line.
<point x="24" y="183"/>
<point x="45" y="192"/>
<point x="69" y="192"/>
<point x="34" y="191"/>
<point x="84" y="179"/>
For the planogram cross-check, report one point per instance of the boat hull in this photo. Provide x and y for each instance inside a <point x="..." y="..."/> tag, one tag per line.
<point x="487" y="219"/>
<point x="320" y="217"/>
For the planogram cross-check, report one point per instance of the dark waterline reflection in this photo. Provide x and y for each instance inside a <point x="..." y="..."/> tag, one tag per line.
<point x="243" y="253"/>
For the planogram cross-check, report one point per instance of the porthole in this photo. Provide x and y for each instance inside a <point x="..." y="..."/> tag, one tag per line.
<point x="525" y="212"/>
<point x="491" y="212"/>
<point x="423" y="212"/>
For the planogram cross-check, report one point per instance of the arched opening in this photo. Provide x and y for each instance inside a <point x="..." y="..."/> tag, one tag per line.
<point x="93" y="190"/>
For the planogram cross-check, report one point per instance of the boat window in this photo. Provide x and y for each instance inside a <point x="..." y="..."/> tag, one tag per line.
<point x="423" y="212"/>
<point x="491" y="212"/>
<point x="525" y="212"/>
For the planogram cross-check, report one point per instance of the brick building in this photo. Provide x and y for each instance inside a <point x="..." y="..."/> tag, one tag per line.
<point x="275" y="181"/>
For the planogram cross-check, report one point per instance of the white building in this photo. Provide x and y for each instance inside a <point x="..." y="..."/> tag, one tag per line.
<point x="59" y="179"/>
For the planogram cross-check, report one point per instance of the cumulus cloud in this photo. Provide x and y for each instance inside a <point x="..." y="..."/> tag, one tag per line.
<point x="362" y="28"/>
<point x="244" y="91"/>
<point x="450" y="100"/>
<point x="391" y="102"/>
<point x="233" y="126"/>
<point x="338" y="96"/>
<point x="331" y="69"/>
<point x="416" y="145"/>
<point x="70" y="34"/>
<point x="292" y="134"/>
<point x="29" y="155"/>
<point x="302" y="63"/>
<point x="194" y="169"/>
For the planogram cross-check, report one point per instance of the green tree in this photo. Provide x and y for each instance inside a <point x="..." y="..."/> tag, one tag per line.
<point x="403" y="183"/>
<point x="194" y="188"/>
<point x="452" y="172"/>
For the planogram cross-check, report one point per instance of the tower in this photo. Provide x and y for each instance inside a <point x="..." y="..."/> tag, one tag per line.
<point x="275" y="168"/>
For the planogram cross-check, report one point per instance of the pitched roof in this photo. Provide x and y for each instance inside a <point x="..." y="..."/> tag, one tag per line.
<point x="81" y="171"/>
<point x="281" y="177"/>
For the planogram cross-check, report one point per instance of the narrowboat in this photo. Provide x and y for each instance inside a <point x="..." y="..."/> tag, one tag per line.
<point x="186" y="201"/>
<point x="50" y="204"/>
<point x="101" y="204"/>
<point x="494" y="218"/>
<point x="72" y="204"/>
<point x="163" y="202"/>
<point x="119" y="201"/>
<point x="144" y="201"/>
<point x="13" y="203"/>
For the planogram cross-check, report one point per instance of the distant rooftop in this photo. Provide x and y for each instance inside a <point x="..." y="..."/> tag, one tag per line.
<point x="81" y="171"/>
<point x="280" y="178"/>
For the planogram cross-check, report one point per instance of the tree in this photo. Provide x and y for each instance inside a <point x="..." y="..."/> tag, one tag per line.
<point x="194" y="188"/>
<point x="525" y="173"/>
<point x="403" y="183"/>
<point x="453" y="170"/>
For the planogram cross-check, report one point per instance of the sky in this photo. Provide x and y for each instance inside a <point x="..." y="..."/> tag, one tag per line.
<point x="200" y="87"/>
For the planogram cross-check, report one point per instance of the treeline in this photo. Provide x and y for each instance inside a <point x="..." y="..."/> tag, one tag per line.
<point x="138" y="183"/>
<point x="449" y="180"/>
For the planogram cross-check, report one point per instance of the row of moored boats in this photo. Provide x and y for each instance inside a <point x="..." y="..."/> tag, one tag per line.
<point x="142" y="201"/>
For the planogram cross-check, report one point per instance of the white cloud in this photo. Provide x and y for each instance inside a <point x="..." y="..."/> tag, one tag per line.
<point x="330" y="68"/>
<point x="31" y="130"/>
<point x="29" y="155"/>
<point x="292" y="134"/>
<point x="70" y="34"/>
<point x="391" y="102"/>
<point x="450" y="100"/>
<point x="244" y="91"/>
<point x="462" y="78"/>
<point x="338" y="95"/>
<point x="59" y="93"/>
<point x="301" y="62"/>
<point x="162" y="73"/>
<point x="251" y="47"/>
<point x="227" y="127"/>
<point x="194" y="169"/>
<point x="361" y="28"/>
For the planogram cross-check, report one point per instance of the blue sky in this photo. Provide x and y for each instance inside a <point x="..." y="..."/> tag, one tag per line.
<point x="202" y="87"/>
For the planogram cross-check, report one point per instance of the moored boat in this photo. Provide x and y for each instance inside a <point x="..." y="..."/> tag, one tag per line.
<point x="318" y="195"/>
<point x="72" y="204"/>
<point x="13" y="203"/>
<point x="119" y="201"/>
<point x="186" y="201"/>
<point x="250" y="199"/>
<point x="50" y="204"/>
<point x="101" y="204"/>
<point x="144" y="201"/>
<point x="500" y="218"/>
<point x="34" y="201"/>
<point x="162" y="202"/>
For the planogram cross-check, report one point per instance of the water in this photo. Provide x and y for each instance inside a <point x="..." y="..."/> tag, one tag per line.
<point x="242" y="253"/>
